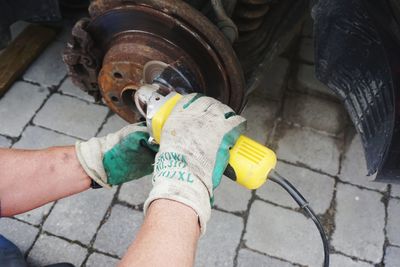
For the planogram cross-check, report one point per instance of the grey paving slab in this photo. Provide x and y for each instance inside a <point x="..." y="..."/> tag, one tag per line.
<point x="354" y="168"/>
<point x="231" y="196"/>
<point x="305" y="80"/>
<point x="35" y="137"/>
<point x="392" y="257"/>
<point x="260" y="115"/>
<point x="248" y="258"/>
<point x="4" y="142"/>
<point x="71" y="116"/>
<point x="395" y="192"/>
<point x="68" y="88"/>
<point x="78" y="217"/>
<point x="50" y="250"/>
<point x="18" y="106"/>
<point x="137" y="191"/>
<point x="303" y="146"/>
<point x="119" y="231"/>
<point x="36" y="216"/>
<point x="21" y="234"/>
<point x="284" y="234"/>
<point x="337" y="260"/>
<point x="218" y="246"/>
<point x="317" y="113"/>
<point x="316" y="188"/>
<point x="359" y="220"/>
<point x="101" y="260"/>
<point x="271" y="85"/>
<point x="306" y="51"/>
<point x="113" y="124"/>
<point x="393" y="222"/>
<point x="49" y="69"/>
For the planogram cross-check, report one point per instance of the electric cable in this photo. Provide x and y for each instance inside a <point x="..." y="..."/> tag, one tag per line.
<point x="302" y="202"/>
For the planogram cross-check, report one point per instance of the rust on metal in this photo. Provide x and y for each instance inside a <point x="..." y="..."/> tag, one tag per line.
<point x="107" y="53"/>
<point x="123" y="64"/>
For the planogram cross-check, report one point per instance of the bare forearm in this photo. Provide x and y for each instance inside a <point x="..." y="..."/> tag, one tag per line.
<point x="168" y="237"/>
<point x="30" y="179"/>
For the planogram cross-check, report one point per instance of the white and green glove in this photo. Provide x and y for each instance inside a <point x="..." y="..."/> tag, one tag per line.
<point x="118" y="157"/>
<point x="194" y="153"/>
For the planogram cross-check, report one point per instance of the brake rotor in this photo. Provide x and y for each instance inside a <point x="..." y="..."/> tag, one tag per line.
<point x="125" y="35"/>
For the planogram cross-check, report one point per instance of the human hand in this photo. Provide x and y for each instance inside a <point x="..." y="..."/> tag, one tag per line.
<point x="118" y="157"/>
<point x="194" y="153"/>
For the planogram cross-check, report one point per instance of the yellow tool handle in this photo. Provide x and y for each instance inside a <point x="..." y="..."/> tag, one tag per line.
<point x="249" y="161"/>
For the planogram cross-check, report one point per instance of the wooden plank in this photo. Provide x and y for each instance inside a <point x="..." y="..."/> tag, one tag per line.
<point x="20" y="53"/>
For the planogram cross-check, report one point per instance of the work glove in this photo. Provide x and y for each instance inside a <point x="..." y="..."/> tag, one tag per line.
<point x="118" y="157"/>
<point x="194" y="152"/>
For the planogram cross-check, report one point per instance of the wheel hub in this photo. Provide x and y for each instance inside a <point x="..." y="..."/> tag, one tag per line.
<point x="125" y="36"/>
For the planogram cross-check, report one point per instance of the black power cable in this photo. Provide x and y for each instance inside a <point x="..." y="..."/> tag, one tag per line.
<point x="302" y="202"/>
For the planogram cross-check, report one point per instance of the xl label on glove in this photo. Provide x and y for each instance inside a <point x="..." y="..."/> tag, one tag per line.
<point x="170" y="165"/>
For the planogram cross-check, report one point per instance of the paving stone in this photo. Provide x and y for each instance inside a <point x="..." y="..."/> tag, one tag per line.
<point x="319" y="114"/>
<point x="392" y="257"/>
<point x="305" y="80"/>
<point x="50" y="250"/>
<point x="315" y="187"/>
<point x="393" y="222"/>
<point x="68" y="88"/>
<point x="37" y="138"/>
<point x="248" y="258"/>
<point x="100" y="260"/>
<point x="395" y="192"/>
<point x="4" y="142"/>
<point x="78" y="217"/>
<point x="35" y="216"/>
<point x="137" y="191"/>
<point x="354" y="168"/>
<point x="21" y="234"/>
<point x="114" y="123"/>
<point x="119" y="231"/>
<point x="260" y="115"/>
<point x="302" y="146"/>
<point x="49" y="69"/>
<point x="360" y="220"/>
<point x="337" y="260"/>
<point x="231" y="196"/>
<point x="71" y="116"/>
<point x="284" y="234"/>
<point x="306" y="51"/>
<point x="18" y="106"/>
<point x="218" y="246"/>
<point x="271" y="85"/>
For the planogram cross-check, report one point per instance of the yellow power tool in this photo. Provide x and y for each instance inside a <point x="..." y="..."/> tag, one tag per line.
<point x="249" y="162"/>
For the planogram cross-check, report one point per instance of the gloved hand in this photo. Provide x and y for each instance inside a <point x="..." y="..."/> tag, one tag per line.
<point x="194" y="153"/>
<point x="118" y="157"/>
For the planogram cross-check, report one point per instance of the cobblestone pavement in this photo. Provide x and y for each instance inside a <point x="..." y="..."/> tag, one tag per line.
<point x="294" y="114"/>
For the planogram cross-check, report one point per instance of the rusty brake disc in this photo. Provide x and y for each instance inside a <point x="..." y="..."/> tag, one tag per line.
<point x="122" y="36"/>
